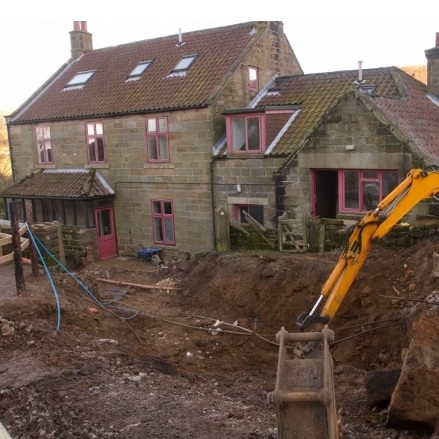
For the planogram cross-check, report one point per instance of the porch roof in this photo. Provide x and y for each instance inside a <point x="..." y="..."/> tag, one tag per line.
<point x="75" y="184"/>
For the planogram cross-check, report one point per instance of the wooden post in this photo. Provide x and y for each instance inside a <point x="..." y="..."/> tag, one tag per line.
<point x="61" y="252"/>
<point x="18" y="259"/>
<point x="222" y="230"/>
<point x="32" y="250"/>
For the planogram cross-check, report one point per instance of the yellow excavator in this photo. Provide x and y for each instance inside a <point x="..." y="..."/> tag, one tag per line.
<point x="304" y="392"/>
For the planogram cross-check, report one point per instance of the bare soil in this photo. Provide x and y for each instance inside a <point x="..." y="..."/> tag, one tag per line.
<point x="136" y="363"/>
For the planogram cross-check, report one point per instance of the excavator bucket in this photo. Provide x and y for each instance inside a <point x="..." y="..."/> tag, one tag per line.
<point x="304" y="394"/>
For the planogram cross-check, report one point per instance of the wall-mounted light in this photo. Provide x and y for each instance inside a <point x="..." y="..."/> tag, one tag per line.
<point x="349" y="147"/>
<point x="238" y="188"/>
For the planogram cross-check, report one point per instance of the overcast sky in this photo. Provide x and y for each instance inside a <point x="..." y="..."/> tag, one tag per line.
<point x="325" y="35"/>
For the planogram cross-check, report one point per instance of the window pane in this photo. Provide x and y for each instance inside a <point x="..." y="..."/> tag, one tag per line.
<point x="390" y="181"/>
<point x="158" y="229"/>
<point x="39" y="133"/>
<point x="238" y="134"/>
<point x="91" y="150"/>
<point x="163" y="124"/>
<point x="70" y="212"/>
<point x="163" y="147"/>
<point x="185" y="63"/>
<point x="99" y="129"/>
<point x="156" y="207"/>
<point x="167" y="207"/>
<point x="351" y="184"/>
<point x="370" y="174"/>
<point x="38" y="211"/>
<point x="169" y="230"/>
<point x="257" y="212"/>
<point x="153" y="151"/>
<point x="80" y="213"/>
<point x="152" y="125"/>
<point x="59" y="212"/>
<point x="101" y="151"/>
<point x="41" y="155"/>
<point x="253" y="134"/>
<point x="371" y="195"/>
<point x="49" y="151"/>
<point x="46" y="131"/>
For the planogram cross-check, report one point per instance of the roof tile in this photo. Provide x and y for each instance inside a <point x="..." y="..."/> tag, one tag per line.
<point x="75" y="184"/>
<point x="107" y="92"/>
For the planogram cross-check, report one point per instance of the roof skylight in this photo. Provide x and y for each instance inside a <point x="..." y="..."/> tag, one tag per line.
<point x="183" y="65"/>
<point x="137" y="72"/>
<point x="80" y="79"/>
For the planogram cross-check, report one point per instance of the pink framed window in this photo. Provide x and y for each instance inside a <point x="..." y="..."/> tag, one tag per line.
<point x="157" y="139"/>
<point x="44" y="144"/>
<point x="163" y="222"/>
<point x="95" y="142"/>
<point x="362" y="190"/>
<point x="253" y="79"/>
<point x="254" y="210"/>
<point x="246" y="133"/>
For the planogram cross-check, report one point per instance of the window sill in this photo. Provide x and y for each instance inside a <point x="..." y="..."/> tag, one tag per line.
<point x="96" y="165"/>
<point x="159" y="166"/>
<point x="45" y="166"/>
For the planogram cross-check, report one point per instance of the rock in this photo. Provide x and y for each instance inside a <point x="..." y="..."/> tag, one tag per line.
<point x="7" y="329"/>
<point x="380" y="385"/>
<point x="416" y="398"/>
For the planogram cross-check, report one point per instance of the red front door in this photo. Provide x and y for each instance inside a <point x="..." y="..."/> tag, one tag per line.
<point x="106" y="233"/>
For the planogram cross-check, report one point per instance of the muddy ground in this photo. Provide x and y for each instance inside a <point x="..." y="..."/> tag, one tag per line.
<point x="137" y="363"/>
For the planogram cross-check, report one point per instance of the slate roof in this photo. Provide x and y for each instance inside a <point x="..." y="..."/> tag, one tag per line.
<point x="399" y="100"/>
<point x="108" y="93"/>
<point x="74" y="184"/>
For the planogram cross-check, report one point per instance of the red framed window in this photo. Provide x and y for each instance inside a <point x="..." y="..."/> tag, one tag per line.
<point x="253" y="79"/>
<point x="95" y="142"/>
<point x="254" y="210"/>
<point x="157" y="134"/>
<point x="163" y="222"/>
<point x="44" y="144"/>
<point x="362" y="190"/>
<point x="246" y="133"/>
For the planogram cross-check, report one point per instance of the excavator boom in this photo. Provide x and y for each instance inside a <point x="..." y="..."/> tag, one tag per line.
<point x="417" y="186"/>
<point x="304" y="394"/>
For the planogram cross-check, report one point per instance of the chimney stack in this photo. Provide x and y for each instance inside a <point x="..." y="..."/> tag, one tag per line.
<point x="80" y="40"/>
<point x="432" y="56"/>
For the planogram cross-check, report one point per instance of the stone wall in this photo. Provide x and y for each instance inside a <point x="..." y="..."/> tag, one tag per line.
<point x="336" y="233"/>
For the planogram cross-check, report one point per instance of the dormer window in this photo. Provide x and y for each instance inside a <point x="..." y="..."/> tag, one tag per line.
<point x="183" y="65"/>
<point x="255" y="130"/>
<point x="253" y="81"/>
<point x="137" y="72"/>
<point x="244" y="133"/>
<point x="79" y="80"/>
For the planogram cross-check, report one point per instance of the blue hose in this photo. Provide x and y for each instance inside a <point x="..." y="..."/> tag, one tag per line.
<point x="55" y="293"/>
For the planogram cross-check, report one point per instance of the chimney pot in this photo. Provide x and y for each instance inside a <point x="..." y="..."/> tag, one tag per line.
<point x="84" y="26"/>
<point x="437" y="39"/>
<point x="360" y="71"/>
<point x="76" y="25"/>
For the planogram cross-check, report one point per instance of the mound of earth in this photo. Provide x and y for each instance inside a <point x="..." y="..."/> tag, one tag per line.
<point x="126" y="349"/>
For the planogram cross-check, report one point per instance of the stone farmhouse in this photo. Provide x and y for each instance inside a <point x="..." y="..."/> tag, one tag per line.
<point x="165" y="142"/>
<point x="120" y="139"/>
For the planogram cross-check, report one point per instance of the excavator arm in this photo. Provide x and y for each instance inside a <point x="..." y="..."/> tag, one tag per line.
<point x="304" y="394"/>
<point x="417" y="186"/>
